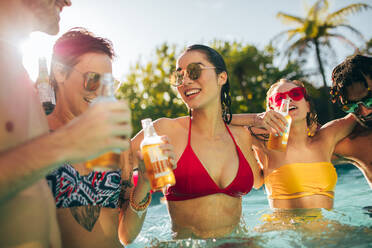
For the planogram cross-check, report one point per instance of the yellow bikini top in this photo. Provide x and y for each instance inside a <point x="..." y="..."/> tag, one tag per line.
<point x="302" y="178"/>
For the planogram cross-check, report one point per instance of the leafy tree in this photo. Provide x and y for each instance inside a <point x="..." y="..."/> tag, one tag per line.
<point x="148" y="90"/>
<point x="318" y="28"/>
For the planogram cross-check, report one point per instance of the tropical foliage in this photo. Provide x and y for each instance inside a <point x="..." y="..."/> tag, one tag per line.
<point x="317" y="29"/>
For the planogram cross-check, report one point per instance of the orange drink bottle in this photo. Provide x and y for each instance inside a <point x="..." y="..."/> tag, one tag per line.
<point x="110" y="160"/>
<point x="158" y="167"/>
<point x="279" y="143"/>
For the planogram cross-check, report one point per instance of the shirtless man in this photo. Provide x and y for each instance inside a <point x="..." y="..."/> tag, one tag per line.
<point x="352" y="90"/>
<point x="27" y="151"/>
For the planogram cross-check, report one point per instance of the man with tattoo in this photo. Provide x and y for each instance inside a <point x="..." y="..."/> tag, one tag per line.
<point x="87" y="201"/>
<point x="352" y="90"/>
<point x="27" y="151"/>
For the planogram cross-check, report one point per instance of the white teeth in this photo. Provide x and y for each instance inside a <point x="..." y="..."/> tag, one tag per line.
<point x="192" y="92"/>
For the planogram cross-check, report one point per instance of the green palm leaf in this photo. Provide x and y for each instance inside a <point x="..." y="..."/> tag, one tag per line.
<point x="340" y="14"/>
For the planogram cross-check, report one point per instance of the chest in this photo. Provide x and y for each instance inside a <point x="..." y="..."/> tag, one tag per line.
<point x="311" y="152"/>
<point x="22" y="117"/>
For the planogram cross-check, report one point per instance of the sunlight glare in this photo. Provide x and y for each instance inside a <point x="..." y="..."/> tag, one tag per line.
<point x="38" y="45"/>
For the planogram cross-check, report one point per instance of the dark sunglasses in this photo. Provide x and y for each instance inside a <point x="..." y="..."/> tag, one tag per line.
<point x="352" y="106"/>
<point x="295" y="94"/>
<point x="193" y="71"/>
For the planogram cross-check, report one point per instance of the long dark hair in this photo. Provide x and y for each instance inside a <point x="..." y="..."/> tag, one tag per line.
<point x="216" y="59"/>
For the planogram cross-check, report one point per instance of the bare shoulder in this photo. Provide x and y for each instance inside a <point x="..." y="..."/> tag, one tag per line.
<point x="168" y="126"/>
<point x="241" y="135"/>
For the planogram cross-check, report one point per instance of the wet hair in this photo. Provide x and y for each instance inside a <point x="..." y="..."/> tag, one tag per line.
<point x="73" y="44"/>
<point x="311" y="116"/>
<point x="217" y="60"/>
<point x="352" y="70"/>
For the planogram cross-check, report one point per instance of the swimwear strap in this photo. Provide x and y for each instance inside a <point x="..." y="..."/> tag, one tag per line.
<point x="139" y="209"/>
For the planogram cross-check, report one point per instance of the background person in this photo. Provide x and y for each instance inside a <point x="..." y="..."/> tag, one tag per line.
<point x="352" y="91"/>
<point x="302" y="177"/>
<point x="86" y="200"/>
<point x="27" y="151"/>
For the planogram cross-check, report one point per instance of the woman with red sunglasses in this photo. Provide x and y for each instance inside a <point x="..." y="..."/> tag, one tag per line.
<point x="215" y="162"/>
<point x="302" y="177"/>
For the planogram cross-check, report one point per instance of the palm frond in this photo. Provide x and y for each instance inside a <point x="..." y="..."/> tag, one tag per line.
<point x="289" y="32"/>
<point x="350" y="9"/>
<point x="300" y="46"/>
<point x="320" y="6"/>
<point x="289" y="19"/>
<point x="342" y="39"/>
<point x="353" y="30"/>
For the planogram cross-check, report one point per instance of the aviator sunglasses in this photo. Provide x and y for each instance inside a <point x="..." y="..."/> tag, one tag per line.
<point x="352" y="106"/>
<point x="92" y="80"/>
<point x="193" y="71"/>
<point x="295" y="94"/>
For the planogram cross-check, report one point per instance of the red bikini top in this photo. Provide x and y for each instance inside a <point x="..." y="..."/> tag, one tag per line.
<point x="193" y="180"/>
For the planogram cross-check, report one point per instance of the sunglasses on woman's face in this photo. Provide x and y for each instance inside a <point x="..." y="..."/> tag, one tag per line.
<point x="352" y="106"/>
<point x="92" y="81"/>
<point x="193" y="71"/>
<point x="296" y="94"/>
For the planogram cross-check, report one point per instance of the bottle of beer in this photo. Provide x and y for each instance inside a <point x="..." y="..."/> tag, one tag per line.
<point x="279" y="142"/>
<point x="158" y="167"/>
<point x="105" y="93"/>
<point x="44" y="88"/>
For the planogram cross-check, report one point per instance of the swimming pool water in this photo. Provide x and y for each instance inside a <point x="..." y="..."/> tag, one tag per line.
<point x="350" y="222"/>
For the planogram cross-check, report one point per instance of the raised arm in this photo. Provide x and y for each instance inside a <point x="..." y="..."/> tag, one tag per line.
<point x="338" y="129"/>
<point x="97" y="131"/>
<point x="270" y="120"/>
<point x="131" y="220"/>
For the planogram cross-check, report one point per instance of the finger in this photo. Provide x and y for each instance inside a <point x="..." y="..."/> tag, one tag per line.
<point x="165" y="139"/>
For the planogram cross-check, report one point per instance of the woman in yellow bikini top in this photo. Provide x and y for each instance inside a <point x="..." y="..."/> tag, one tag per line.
<point x="302" y="176"/>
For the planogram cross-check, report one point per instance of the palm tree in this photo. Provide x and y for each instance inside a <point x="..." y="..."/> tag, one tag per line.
<point x="318" y="28"/>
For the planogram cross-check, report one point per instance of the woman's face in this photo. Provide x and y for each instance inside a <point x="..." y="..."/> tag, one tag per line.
<point x="71" y="92"/>
<point x="203" y="90"/>
<point x="298" y="109"/>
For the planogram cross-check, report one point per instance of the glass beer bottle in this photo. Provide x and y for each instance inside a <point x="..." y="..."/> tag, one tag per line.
<point x="279" y="142"/>
<point x="44" y="87"/>
<point x="110" y="160"/>
<point x="158" y="167"/>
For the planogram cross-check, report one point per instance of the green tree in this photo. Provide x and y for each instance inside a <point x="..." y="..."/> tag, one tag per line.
<point x="318" y="28"/>
<point x="148" y="91"/>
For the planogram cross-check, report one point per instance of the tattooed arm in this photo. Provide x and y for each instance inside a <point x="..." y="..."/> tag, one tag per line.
<point x="130" y="223"/>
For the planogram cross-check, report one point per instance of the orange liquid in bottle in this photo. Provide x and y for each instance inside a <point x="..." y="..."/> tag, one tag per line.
<point x="279" y="143"/>
<point x="158" y="167"/>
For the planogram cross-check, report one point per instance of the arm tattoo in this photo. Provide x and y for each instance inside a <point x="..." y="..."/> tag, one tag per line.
<point x="125" y="184"/>
<point x="86" y="216"/>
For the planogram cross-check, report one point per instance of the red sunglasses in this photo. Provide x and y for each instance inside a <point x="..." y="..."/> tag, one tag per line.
<point x="295" y="94"/>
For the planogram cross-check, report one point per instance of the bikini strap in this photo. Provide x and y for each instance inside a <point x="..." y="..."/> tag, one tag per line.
<point x="231" y="134"/>
<point x="189" y="137"/>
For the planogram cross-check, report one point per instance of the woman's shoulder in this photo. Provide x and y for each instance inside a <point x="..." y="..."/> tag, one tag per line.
<point x="171" y="124"/>
<point x="241" y="134"/>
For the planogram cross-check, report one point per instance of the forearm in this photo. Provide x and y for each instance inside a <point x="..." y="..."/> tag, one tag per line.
<point x="130" y="223"/>
<point x="25" y="164"/>
<point x="245" y="120"/>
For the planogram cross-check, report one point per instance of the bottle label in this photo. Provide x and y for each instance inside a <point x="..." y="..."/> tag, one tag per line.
<point x="46" y="93"/>
<point x="155" y="154"/>
<point x="158" y="161"/>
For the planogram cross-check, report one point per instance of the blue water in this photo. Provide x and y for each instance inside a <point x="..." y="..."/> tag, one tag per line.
<point x="353" y="226"/>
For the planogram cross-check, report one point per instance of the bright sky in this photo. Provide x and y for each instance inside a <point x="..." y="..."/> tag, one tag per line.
<point x="137" y="27"/>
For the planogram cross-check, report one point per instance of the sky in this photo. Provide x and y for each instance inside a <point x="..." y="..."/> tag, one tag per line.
<point x="137" y="27"/>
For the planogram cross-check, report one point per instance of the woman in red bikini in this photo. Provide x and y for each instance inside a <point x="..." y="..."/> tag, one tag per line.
<point x="215" y="162"/>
